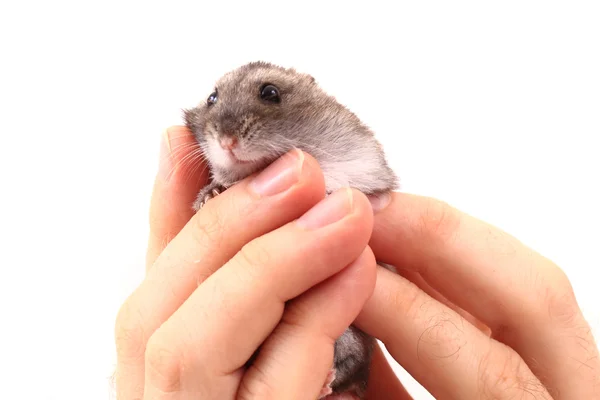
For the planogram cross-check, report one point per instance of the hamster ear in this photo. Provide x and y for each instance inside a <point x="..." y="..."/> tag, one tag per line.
<point x="311" y="79"/>
<point x="308" y="77"/>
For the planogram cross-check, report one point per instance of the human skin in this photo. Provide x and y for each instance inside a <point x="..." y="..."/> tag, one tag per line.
<point x="473" y="313"/>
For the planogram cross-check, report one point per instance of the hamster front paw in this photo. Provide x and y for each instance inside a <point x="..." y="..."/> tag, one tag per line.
<point x="208" y="192"/>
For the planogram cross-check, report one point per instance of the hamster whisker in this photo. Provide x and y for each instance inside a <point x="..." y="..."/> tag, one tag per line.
<point x="186" y="160"/>
<point x="196" y="159"/>
<point x="194" y="153"/>
<point x="193" y="156"/>
<point x="182" y="148"/>
<point x="195" y="171"/>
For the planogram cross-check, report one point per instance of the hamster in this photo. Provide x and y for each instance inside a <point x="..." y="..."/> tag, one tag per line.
<point x="258" y="112"/>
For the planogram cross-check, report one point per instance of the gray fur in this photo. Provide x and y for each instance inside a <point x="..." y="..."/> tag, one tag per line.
<point x="313" y="121"/>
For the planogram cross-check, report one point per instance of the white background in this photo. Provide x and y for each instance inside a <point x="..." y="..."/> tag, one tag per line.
<point x="493" y="107"/>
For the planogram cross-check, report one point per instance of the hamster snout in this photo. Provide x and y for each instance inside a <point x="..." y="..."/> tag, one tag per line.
<point x="236" y="147"/>
<point x="228" y="143"/>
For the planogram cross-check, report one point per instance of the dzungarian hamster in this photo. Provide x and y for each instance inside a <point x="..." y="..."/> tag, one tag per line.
<point x="258" y="112"/>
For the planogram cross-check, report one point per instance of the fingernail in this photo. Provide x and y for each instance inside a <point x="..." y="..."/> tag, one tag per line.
<point x="165" y="162"/>
<point x="332" y="209"/>
<point x="280" y="175"/>
<point x="379" y="201"/>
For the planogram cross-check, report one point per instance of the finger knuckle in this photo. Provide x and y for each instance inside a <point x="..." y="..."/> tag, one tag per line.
<point x="405" y="302"/>
<point x="256" y="385"/>
<point x="164" y="365"/>
<point x="209" y="228"/>
<point x="439" y="221"/>
<point x="563" y="309"/>
<point x="558" y="302"/>
<point x="295" y="314"/>
<point x="129" y="332"/>
<point x="410" y="300"/>
<point x="298" y="322"/>
<point x="254" y="257"/>
<point x="502" y="373"/>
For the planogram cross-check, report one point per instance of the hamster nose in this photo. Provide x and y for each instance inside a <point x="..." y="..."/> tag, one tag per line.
<point x="228" y="143"/>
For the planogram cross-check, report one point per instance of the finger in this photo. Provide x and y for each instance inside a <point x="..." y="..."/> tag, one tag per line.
<point x="524" y="298"/>
<point x="206" y="242"/>
<point x="449" y="357"/>
<point x="418" y="280"/>
<point x="181" y="174"/>
<point x="383" y="381"/>
<point x="227" y="318"/>
<point x="298" y="355"/>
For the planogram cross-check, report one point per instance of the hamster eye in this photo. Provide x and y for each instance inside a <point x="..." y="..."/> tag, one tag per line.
<point x="270" y="93"/>
<point x="212" y="99"/>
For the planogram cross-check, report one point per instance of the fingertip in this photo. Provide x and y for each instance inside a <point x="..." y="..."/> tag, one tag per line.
<point x="380" y="201"/>
<point x="363" y="211"/>
<point x="178" y="132"/>
<point x="399" y="225"/>
<point x="358" y="279"/>
<point x="181" y="174"/>
<point x="373" y="266"/>
<point x="173" y="137"/>
<point x="364" y="202"/>
<point x="179" y="128"/>
<point x="312" y="175"/>
<point x="295" y="175"/>
<point x="365" y="272"/>
<point x="344" y="294"/>
<point x="371" y="317"/>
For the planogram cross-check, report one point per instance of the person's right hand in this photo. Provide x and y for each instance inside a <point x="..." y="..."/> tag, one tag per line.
<point x="473" y="312"/>
<point x="267" y="260"/>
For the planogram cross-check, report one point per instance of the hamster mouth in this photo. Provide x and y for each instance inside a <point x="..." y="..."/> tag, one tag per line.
<point x="236" y="160"/>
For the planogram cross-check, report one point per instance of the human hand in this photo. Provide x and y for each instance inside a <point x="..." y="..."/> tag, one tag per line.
<point x="259" y="263"/>
<point x="527" y="337"/>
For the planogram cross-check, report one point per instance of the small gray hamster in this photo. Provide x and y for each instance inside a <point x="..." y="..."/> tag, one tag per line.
<point x="260" y="111"/>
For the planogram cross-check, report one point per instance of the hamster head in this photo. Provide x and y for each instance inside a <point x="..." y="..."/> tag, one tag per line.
<point x="245" y="123"/>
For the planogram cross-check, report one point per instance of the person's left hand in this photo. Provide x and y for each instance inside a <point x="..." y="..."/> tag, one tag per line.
<point x="267" y="264"/>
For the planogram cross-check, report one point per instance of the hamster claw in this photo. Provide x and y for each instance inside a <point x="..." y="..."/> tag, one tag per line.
<point x="209" y="192"/>
<point x="326" y="390"/>
<point x="213" y="193"/>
